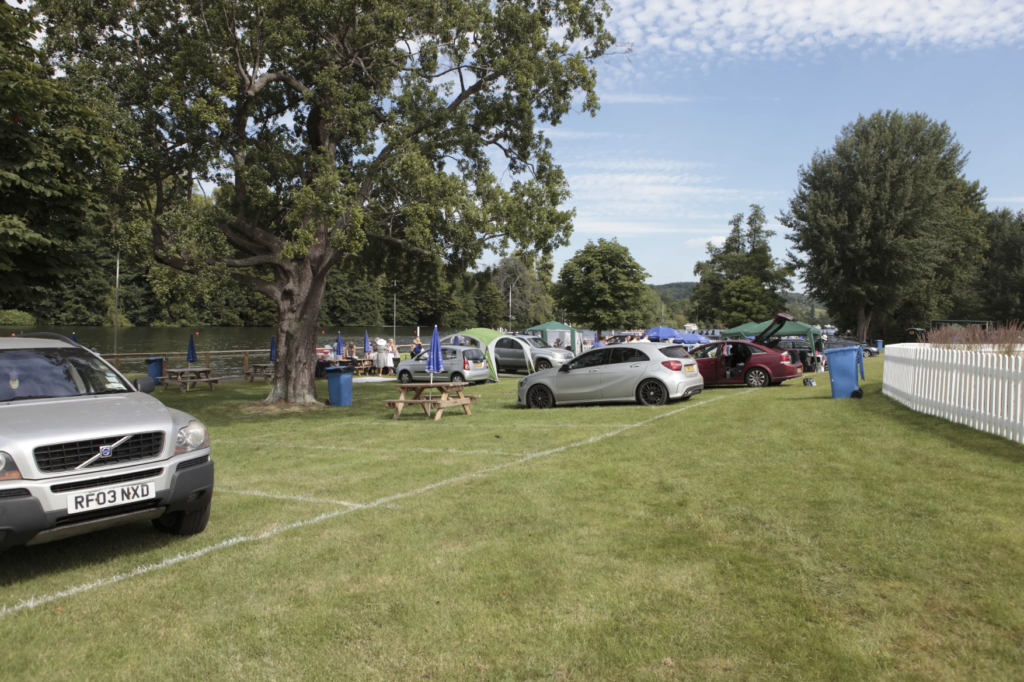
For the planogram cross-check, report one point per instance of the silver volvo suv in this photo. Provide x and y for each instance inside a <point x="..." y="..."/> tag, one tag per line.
<point x="83" y="449"/>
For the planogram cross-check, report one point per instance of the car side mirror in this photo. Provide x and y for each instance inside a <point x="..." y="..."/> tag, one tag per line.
<point x="145" y="384"/>
<point x="563" y="368"/>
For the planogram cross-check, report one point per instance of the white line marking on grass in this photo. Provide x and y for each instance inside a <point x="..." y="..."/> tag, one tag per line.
<point x="296" y="498"/>
<point x="356" y="448"/>
<point x="33" y="602"/>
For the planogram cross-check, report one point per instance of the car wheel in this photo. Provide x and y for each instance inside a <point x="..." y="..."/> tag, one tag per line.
<point x="404" y="377"/>
<point x="540" y="398"/>
<point x="458" y="378"/>
<point x="757" y="378"/>
<point x="651" y="392"/>
<point x="184" y="523"/>
<point x="542" y="364"/>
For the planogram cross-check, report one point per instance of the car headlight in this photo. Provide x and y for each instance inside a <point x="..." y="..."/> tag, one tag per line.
<point x="8" y="469"/>
<point x="192" y="437"/>
<point x="522" y="381"/>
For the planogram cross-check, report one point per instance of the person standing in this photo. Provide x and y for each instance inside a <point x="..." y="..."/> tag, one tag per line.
<point x="380" y="357"/>
<point x="350" y="351"/>
<point x="417" y="346"/>
<point x="599" y="343"/>
<point x="394" y="357"/>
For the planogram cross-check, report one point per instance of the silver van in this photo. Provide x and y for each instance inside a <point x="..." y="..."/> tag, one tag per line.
<point x="461" y="363"/>
<point x="510" y="357"/>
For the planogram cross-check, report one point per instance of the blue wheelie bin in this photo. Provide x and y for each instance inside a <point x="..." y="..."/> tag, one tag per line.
<point x="843" y="364"/>
<point x="155" y="369"/>
<point x="878" y="345"/>
<point x="339" y="386"/>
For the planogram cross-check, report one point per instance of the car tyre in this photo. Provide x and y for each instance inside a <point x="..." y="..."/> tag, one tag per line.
<point x="757" y="378"/>
<point x="184" y="523"/>
<point x="404" y="377"/>
<point x="652" y="392"/>
<point x="457" y="378"/>
<point x="540" y="398"/>
<point x="542" y="364"/>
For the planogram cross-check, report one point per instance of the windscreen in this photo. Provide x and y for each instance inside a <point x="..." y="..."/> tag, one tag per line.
<point x="473" y="355"/>
<point x="55" y="373"/>
<point x="535" y="341"/>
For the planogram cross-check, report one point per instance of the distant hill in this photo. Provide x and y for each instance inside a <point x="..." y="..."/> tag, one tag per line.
<point x="676" y="291"/>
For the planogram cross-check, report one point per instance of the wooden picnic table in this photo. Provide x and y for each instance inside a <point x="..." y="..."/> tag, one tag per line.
<point x="439" y="402"/>
<point x="263" y="371"/>
<point x="186" y="378"/>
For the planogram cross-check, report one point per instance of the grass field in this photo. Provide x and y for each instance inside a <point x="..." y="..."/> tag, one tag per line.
<point x="771" y="534"/>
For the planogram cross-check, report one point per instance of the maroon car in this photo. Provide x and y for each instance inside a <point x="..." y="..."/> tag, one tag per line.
<point x="753" y="363"/>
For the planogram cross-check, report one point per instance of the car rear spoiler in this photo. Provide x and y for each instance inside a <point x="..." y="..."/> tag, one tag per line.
<point x="772" y="329"/>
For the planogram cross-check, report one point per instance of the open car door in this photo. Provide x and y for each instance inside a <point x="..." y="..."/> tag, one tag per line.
<point x="771" y="330"/>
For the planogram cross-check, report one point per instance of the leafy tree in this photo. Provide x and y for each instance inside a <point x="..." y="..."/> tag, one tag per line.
<point x="490" y="306"/>
<point x="51" y="147"/>
<point x="741" y="281"/>
<point x="333" y="131"/>
<point x="531" y="302"/>
<point x="602" y="287"/>
<point x="1000" y="284"/>
<point x="885" y="223"/>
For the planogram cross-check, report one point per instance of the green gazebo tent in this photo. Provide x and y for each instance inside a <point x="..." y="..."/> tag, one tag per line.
<point x="575" y="336"/>
<point x="487" y="338"/>
<point x="791" y="328"/>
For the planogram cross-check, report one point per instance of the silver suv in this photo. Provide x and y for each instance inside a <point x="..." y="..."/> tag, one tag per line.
<point x="82" y="449"/>
<point x="510" y="357"/>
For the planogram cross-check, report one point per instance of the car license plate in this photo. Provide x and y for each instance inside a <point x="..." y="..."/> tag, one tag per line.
<point x="90" y="500"/>
<point x="479" y="364"/>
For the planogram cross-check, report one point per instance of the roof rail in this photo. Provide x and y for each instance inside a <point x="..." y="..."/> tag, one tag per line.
<point x="49" y="335"/>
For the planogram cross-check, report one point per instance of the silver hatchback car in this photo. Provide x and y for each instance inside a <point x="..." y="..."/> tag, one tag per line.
<point x="461" y="363"/>
<point x="82" y="449"/>
<point x="646" y="373"/>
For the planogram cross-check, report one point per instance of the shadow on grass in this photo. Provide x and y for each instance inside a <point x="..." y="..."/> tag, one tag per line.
<point x="24" y="563"/>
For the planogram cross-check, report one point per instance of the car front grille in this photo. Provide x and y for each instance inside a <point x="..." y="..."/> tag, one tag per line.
<point x="68" y="456"/>
<point x="106" y="480"/>
<point x="189" y="463"/>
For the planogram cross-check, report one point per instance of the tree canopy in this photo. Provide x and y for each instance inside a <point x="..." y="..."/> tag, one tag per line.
<point x="52" y="146"/>
<point x="602" y="287"/>
<point x="885" y="223"/>
<point x="741" y="281"/>
<point x="333" y="134"/>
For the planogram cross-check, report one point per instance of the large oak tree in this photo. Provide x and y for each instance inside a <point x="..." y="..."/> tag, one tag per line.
<point x="333" y="132"/>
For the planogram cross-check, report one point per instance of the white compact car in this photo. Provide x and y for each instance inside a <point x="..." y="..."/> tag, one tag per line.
<point x="646" y="373"/>
<point x="83" y="449"/>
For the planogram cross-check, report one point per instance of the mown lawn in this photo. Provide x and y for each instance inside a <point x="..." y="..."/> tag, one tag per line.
<point x="749" y="535"/>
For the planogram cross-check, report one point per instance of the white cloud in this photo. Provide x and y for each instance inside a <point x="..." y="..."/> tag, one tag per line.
<point x="615" y="229"/>
<point x="776" y="27"/>
<point x="557" y="133"/>
<point x="702" y="242"/>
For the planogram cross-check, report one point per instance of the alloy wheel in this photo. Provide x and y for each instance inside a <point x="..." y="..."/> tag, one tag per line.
<point x="540" y="398"/>
<point x="652" y="393"/>
<point x="757" y="378"/>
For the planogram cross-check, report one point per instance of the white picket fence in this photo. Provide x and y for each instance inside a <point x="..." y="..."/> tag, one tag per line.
<point x="981" y="389"/>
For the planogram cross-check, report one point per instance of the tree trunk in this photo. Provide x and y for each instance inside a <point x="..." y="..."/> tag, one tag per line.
<point x="863" y="322"/>
<point x="298" y="307"/>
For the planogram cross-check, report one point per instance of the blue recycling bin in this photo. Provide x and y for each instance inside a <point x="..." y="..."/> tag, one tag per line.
<point x="339" y="386"/>
<point x="155" y="369"/>
<point x="878" y="345"/>
<point x="843" y="364"/>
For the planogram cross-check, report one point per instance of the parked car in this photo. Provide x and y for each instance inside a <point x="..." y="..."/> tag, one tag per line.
<point x="83" y="449"/>
<point x="509" y="355"/>
<point x="461" y="363"/>
<point x="869" y="350"/>
<point x="733" y="362"/>
<point x="800" y="350"/>
<point x="645" y="373"/>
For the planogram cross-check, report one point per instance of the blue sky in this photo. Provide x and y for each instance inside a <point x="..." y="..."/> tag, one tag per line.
<point x="721" y="101"/>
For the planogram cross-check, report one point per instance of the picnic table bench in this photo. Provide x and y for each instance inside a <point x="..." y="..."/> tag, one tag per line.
<point x="439" y="402"/>
<point x="260" y="371"/>
<point x="188" y="377"/>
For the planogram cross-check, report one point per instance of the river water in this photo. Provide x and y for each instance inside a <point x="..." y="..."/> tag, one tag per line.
<point x="162" y="340"/>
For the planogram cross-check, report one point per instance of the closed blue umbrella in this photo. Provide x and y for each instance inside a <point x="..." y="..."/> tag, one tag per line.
<point x="339" y="348"/>
<point x="366" y="341"/>
<point x="74" y="337"/>
<point x="273" y="349"/>
<point x="435" y="365"/>
<point x="192" y="357"/>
